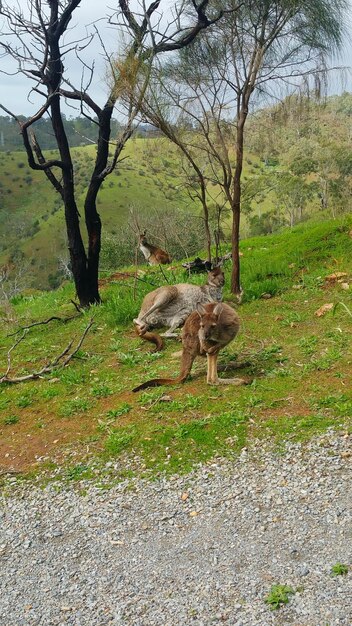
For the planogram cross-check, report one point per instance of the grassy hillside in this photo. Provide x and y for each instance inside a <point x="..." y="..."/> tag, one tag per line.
<point x="82" y="419"/>
<point x="295" y="168"/>
<point x="31" y="213"/>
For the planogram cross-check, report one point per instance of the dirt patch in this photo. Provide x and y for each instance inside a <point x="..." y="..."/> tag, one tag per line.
<point x="25" y="445"/>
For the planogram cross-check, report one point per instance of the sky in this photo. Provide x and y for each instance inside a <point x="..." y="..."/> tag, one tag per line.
<point x="14" y="89"/>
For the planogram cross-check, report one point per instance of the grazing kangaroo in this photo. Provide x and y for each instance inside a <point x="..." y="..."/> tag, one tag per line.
<point x="153" y="254"/>
<point x="207" y="330"/>
<point x="172" y="304"/>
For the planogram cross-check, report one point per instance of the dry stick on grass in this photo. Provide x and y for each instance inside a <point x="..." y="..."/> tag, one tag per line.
<point x="4" y="377"/>
<point x="54" y="317"/>
<point x="77" y="306"/>
<point x="163" y="273"/>
<point x="59" y="360"/>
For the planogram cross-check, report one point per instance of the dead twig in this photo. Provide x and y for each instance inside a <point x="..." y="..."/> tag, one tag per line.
<point x="135" y="273"/>
<point x="9" y="354"/>
<point x="59" y="360"/>
<point x="77" y="307"/>
<point x="80" y="341"/>
<point x="163" y="273"/>
<point x="54" y="317"/>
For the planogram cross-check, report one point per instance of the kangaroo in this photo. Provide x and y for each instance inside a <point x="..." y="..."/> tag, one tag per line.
<point x="152" y="254"/>
<point x="171" y="305"/>
<point x="206" y="331"/>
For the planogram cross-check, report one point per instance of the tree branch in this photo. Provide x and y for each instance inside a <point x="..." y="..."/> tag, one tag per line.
<point x="57" y="361"/>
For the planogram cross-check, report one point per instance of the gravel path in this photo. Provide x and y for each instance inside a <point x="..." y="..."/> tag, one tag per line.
<point x="198" y="550"/>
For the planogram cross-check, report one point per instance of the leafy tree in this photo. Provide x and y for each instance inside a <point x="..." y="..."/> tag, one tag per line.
<point x="264" y="42"/>
<point x="293" y="194"/>
<point x="255" y="45"/>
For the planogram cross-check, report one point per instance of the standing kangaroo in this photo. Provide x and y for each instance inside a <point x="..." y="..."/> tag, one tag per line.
<point x="171" y="305"/>
<point x="206" y="331"/>
<point x="153" y="254"/>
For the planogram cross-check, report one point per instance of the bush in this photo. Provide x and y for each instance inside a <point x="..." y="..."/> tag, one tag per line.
<point x="179" y="233"/>
<point x="266" y="223"/>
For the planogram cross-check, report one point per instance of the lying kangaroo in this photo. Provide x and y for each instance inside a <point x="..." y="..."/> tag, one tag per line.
<point x="171" y="305"/>
<point x="207" y="330"/>
<point x="152" y="254"/>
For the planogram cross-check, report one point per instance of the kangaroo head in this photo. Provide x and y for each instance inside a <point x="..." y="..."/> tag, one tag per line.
<point x="142" y="237"/>
<point x="216" y="277"/>
<point x="209" y="319"/>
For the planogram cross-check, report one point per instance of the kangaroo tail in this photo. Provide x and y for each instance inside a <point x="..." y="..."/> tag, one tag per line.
<point x="155" y="382"/>
<point x="152" y="337"/>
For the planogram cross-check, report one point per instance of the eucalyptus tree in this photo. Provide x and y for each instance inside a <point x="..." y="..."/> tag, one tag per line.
<point x="265" y="42"/>
<point x="242" y="58"/>
<point x="40" y="37"/>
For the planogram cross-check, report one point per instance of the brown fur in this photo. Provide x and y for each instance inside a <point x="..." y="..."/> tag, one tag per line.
<point x="206" y="331"/>
<point x="153" y="254"/>
<point x="170" y="306"/>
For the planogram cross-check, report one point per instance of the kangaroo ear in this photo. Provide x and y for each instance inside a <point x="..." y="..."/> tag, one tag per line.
<point x="218" y="309"/>
<point x="200" y="309"/>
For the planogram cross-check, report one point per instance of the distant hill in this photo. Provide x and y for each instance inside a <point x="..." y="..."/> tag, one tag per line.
<point x="298" y="164"/>
<point x="31" y="212"/>
<point x="80" y="131"/>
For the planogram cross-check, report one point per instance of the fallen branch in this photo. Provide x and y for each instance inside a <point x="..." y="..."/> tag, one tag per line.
<point x="57" y="361"/>
<point x="54" y="317"/>
<point x="9" y="355"/>
<point x="163" y="273"/>
<point x="77" y="306"/>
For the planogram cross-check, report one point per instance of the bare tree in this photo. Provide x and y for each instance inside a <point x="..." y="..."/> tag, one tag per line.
<point x="39" y="39"/>
<point x="13" y="280"/>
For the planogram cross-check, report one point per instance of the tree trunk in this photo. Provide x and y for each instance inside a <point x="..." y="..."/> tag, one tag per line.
<point x="92" y="217"/>
<point x="236" y="205"/>
<point x="207" y="230"/>
<point x="85" y="279"/>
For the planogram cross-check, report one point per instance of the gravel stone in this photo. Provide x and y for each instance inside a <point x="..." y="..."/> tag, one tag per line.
<point x="141" y="555"/>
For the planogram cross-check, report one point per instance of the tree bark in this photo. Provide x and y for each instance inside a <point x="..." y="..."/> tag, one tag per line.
<point x="236" y="204"/>
<point x="92" y="217"/>
<point x="85" y="275"/>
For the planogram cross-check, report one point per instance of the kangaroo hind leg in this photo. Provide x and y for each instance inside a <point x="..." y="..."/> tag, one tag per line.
<point x="162" y="300"/>
<point x="212" y="371"/>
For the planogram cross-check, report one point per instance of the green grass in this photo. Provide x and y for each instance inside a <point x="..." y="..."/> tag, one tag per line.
<point x="299" y="366"/>
<point x="339" y="569"/>
<point x="11" y="419"/>
<point x="173" y="448"/>
<point x="41" y="221"/>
